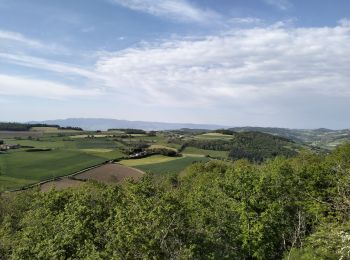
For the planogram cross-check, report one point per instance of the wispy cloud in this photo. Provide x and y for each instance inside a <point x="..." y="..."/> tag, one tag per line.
<point x="180" y="10"/>
<point x="16" y="41"/>
<point x="256" y="69"/>
<point x="48" y="65"/>
<point x="22" y="86"/>
<point x="17" y="37"/>
<point x="281" y="4"/>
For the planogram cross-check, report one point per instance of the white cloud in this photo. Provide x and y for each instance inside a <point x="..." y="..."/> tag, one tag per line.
<point x="252" y="74"/>
<point x="235" y="67"/>
<point x="180" y="10"/>
<point x="49" y="65"/>
<point x="17" y="37"/>
<point x="281" y="4"/>
<point x="17" y="42"/>
<point x="21" y="86"/>
<point x="245" y="20"/>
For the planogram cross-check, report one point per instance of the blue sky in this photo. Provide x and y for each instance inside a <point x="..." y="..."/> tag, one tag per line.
<point x="232" y="62"/>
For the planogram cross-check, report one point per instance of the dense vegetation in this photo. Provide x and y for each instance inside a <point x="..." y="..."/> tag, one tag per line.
<point x="26" y="127"/>
<point x="324" y="138"/>
<point x="257" y="147"/>
<point x="128" y="130"/>
<point x="292" y="208"/>
<point x="254" y="146"/>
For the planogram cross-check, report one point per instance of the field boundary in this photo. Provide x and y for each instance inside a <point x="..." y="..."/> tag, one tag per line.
<point x="58" y="177"/>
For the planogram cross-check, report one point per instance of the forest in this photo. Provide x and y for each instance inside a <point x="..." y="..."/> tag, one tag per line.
<point x="284" y="208"/>
<point x="254" y="146"/>
<point x="8" y="126"/>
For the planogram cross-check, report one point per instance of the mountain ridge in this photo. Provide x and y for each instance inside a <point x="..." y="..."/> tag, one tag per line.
<point x="106" y="123"/>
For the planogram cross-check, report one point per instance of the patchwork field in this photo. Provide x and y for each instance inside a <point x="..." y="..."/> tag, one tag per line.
<point x="160" y="165"/>
<point x="148" y="160"/>
<point x="21" y="167"/>
<point x="170" y="167"/>
<point x="63" y="156"/>
<point x="53" y="153"/>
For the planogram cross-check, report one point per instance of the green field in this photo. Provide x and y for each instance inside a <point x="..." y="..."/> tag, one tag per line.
<point x="156" y="159"/>
<point x="20" y="167"/>
<point x="201" y="152"/>
<point x="170" y="167"/>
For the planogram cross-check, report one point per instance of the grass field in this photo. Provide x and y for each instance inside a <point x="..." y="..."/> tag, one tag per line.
<point x="170" y="167"/>
<point x="155" y="159"/>
<point x="38" y="166"/>
<point x="20" y="134"/>
<point x="195" y="151"/>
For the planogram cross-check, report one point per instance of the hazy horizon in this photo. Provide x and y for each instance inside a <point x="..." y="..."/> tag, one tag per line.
<point x="173" y="122"/>
<point x="270" y="63"/>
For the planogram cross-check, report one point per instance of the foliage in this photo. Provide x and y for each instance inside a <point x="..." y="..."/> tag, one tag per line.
<point x="254" y="146"/>
<point x="296" y="208"/>
<point x="129" y="131"/>
<point x="224" y="131"/>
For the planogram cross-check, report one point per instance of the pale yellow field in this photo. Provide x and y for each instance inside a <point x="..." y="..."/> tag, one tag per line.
<point x="102" y="150"/>
<point x="85" y="136"/>
<point x="148" y="160"/>
<point x="156" y="146"/>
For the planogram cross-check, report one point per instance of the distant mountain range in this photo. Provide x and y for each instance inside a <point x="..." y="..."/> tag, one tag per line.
<point x="104" y="124"/>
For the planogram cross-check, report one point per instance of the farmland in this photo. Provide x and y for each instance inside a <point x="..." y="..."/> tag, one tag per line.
<point x="47" y="153"/>
<point x="121" y="180"/>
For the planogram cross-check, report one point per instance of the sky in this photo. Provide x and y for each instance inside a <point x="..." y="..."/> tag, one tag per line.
<point x="281" y="63"/>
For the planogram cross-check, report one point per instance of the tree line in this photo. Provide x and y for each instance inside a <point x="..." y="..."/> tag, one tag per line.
<point x="11" y="126"/>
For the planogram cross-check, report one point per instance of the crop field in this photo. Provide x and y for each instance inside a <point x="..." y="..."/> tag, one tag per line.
<point x="19" y="134"/>
<point x="64" y="156"/>
<point x="170" y="167"/>
<point x="156" y="159"/>
<point x="31" y="167"/>
<point x="196" y="152"/>
<point x="53" y="130"/>
<point x="111" y="173"/>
